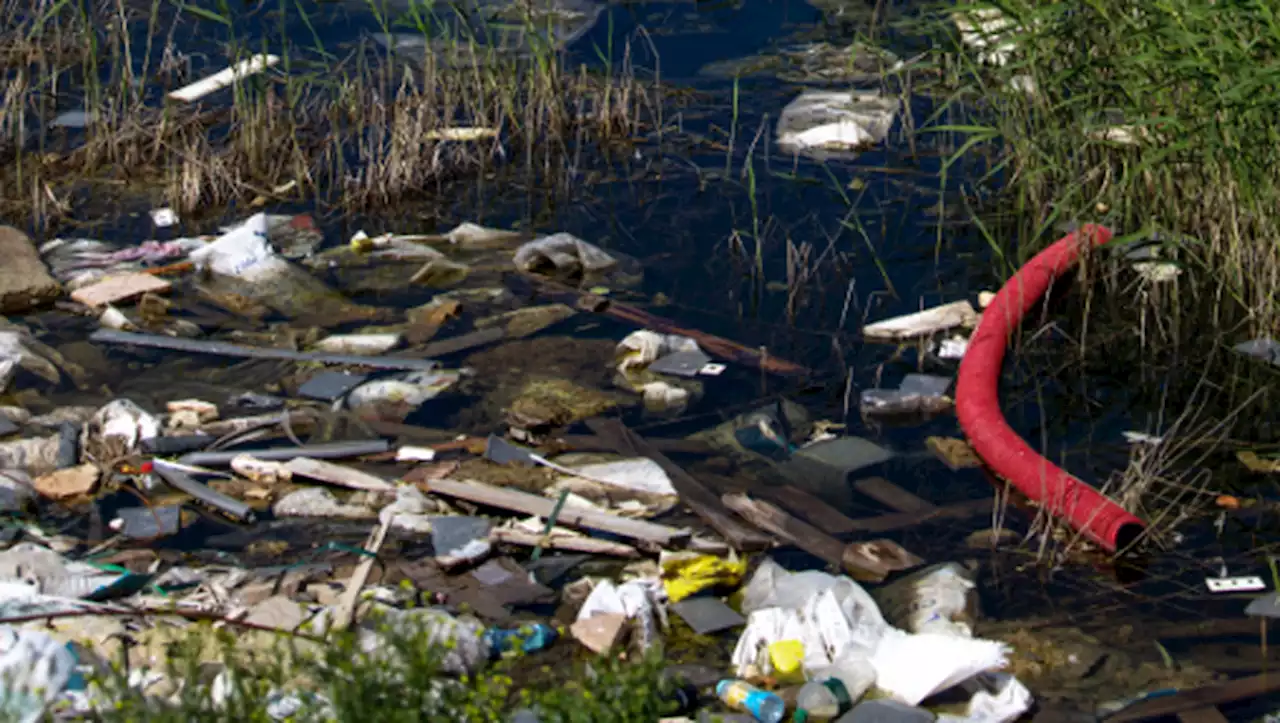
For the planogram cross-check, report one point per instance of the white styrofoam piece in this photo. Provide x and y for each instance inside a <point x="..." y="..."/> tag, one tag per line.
<point x="1248" y="583"/>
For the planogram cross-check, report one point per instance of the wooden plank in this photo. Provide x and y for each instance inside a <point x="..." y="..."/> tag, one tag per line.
<point x="863" y="561"/>
<point x="1208" y="714"/>
<point x="816" y="511"/>
<point x="121" y="287"/>
<point x="531" y="504"/>
<point x="900" y="520"/>
<point x="570" y="543"/>
<point x="704" y="503"/>
<point x="891" y="495"/>
<point x="1191" y="700"/>
<point x="336" y="474"/>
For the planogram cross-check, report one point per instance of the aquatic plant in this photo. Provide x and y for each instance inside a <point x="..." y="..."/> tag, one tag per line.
<point x="365" y="129"/>
<point x="1147" y="117"/>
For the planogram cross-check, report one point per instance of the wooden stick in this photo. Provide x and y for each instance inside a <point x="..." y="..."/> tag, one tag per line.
<point x="813" y="509"/>
<point x="345" y="613"/>
<point x="861" y="561"/>
<point x="531" y="504"/>
<point x="1198" y="698"/>
<point x="710" y="343"/>
<point x="570" y="543"/>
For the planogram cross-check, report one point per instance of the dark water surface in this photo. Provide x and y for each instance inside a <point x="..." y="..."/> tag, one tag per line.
<point x="675" y="204"/>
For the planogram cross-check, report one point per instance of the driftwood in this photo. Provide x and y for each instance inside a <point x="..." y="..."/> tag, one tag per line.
<point x="900" y="520"/>
<point x="531" y="504"/>
<point x="868" y="561"/>
<point x="922" y="323"/>
<point x="705" y="503"/>
<point x="714" y="345"/>
<point x="345" y="613"/>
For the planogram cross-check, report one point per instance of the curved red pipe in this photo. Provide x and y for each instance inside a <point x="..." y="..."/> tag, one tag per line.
<point x="978" y="403"/>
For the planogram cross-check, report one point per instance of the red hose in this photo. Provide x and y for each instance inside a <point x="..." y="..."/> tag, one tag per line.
<point x="978" y="404"/>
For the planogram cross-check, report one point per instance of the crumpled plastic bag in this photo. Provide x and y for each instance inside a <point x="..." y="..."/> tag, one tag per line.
<point x="912" y="667"/>
<point x="997" y="698"/>
<point x="45" y="572"/>
<point x="116" y="430"/>
<point x="564" y="253"/>
<point x="642" y="348"/>
<point x="822" y="123"/>
<point x="34" y="670"/>
<point x="395" y="399"/>
<point x="411" y="512"/>
<point x="936" y="599"/>
<point x="465" y="649"/>
<point x="833" y="616"/>
<point x="635" y="599"/>
<point x="686" y="573"/>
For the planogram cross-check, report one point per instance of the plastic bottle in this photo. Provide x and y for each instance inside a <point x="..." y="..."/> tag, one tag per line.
<point x="822" y="700"/>
<point x="833" y="689"/>
<point x="529" y="638"/>
<point x="741" y="695"/>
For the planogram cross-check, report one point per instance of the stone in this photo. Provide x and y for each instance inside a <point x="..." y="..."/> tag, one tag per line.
<point x="24" y="279"/>
<point x="599" y="633"/>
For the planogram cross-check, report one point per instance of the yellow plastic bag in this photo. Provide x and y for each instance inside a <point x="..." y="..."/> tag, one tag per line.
<point x="686" y="573"/>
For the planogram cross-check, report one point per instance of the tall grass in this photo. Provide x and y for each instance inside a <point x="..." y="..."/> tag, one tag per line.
<point x="358" y="130"/>
<point x="1144" y="116"/>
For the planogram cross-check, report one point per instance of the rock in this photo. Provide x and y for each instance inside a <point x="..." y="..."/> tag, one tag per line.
<point x="70" y="482"/>
<point x="599" y="633"/>
<point x="35" y="456"/>
<point x="24" y="279"/>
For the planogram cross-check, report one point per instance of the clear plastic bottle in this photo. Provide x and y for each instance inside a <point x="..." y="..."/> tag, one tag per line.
<point x="822" y="700"/>
<point x="834" y="689"/>
<point x="741" y="695"/>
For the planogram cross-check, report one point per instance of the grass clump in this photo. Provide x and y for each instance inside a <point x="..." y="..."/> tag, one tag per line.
<point x="364" y="129"/>
<point x="216" y="675"/>
<point x="1149" y="117"/>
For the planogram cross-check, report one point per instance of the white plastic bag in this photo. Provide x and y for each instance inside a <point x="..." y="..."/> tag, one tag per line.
<point x="936" y="599"/>
<point x="642" y="348"/>
<point x="243" y="253"/>
<point x="34" y="669"/>
<point x="820" y="122"/>
<point x="564" y="252"/>
<point x="914" y="667"/>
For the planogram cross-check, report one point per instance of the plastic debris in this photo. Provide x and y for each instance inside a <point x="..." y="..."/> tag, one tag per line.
<point x="600" y="632"/>
<point x="937" y="599"/>
<point x="922" y="323"/>
<point x="821" y="123"/>
<point x="177" y="477"/>
<point x="222" y="348"/>
<point x="1266" y="349"/>
<point x="395" y="399"/>
<point x="361" y="344"/>
<point x="989" y="32"/>
<point x="687" y="573"/>
<point x="563" y="253"/>
<point x="35" y="668"/>
<point x="457" y="540"/>
<point x="741" y="695"/>
<point x="642" y="348"/>
<point x="318" y="502"/>
<point x="146" y="523"/>
<point x="328" y="386"/>
<point x="706" y="615"/>
<point x="224" y="78"/>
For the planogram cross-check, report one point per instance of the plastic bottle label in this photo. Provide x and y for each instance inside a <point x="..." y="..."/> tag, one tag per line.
<point x="735" y="695"/>
<point x="840" y="692"/>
